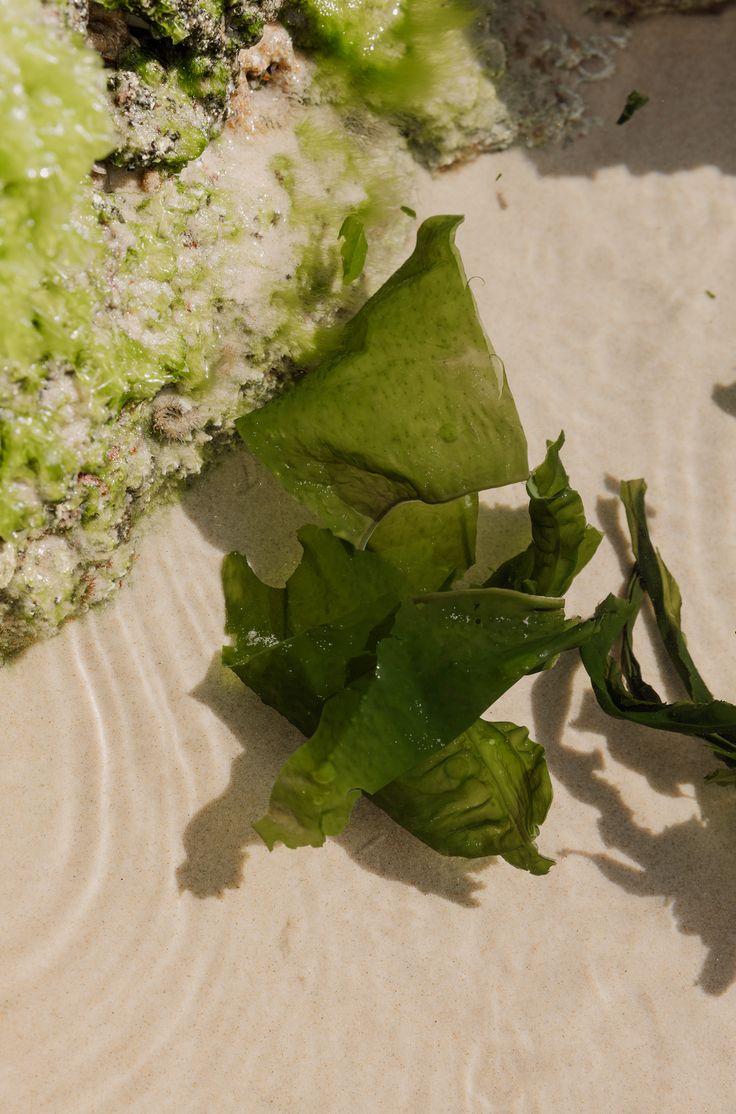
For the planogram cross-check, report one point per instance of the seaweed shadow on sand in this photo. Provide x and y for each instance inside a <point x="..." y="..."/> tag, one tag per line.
<point x="239" y="505"/>
<point x="217" y="838"/>
<point x="725" y="397"/>
<point x="690" y="864"/>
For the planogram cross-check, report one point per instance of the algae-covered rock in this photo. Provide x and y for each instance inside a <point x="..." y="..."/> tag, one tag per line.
<point x="53" y="124"/>
<point x="174" y="66"/>
<point x="144" y="314"/>
<point x="457" y="78"/>
<point x="140" y="325"/>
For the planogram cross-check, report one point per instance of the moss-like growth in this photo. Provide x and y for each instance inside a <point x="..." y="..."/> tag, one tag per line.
<point x="54" y="120"/>
<point x="160" y="122"/>
<point x="197" y="20"/>
<point x="174" y="66"/>
<point x="74" y="269"/>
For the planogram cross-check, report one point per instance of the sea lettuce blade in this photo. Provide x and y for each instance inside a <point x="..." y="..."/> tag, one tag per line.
<point x="619" y="687"/>
<point x="411" y="404"/>
<point x="562" y="541"/>
<point x="713" y="720"/>
<point x="431" y="544"/>
<point x="293" y="645"/>
<point x="662" y="589"/>
<point x="485" y="793"/>
<point x="447" y="658"/>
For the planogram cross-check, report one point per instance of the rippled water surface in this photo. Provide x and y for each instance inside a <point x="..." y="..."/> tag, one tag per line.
<point x="156" y="957"/>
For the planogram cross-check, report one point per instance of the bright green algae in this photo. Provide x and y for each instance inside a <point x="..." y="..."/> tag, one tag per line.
<point x="393" y="42"/>
<point x="412" y="61"/>
<point x="68" y="287"/>
<point x="86" y="443"/>
<point x="89" y="439"/>
<point x="54" y="123"/>
<point x="174" y="70"/>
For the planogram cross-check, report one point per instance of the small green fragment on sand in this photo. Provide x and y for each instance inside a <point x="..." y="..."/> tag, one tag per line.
<point x="634" y="102"/>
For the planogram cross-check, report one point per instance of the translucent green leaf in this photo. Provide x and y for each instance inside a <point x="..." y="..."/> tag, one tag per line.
<point x="447" y="658"/>
<point x="486" y="793"/>
<point x="431" y="544"/>
<point x="562" y="541"/>
<point x="412" y="403"/>
<point x="354" y="248"/>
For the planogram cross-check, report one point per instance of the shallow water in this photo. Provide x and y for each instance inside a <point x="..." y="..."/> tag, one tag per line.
<point x="156" y="957"/>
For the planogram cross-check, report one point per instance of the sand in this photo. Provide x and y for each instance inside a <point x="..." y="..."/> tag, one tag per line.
<point x="157" y="958"/>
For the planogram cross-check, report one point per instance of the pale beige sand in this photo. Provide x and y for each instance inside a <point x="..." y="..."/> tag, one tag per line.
<point x="373" y="975"/>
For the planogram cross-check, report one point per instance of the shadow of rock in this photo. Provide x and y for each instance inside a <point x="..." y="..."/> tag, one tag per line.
<point x="217" y="838"/>
<point x="725" y="397"/>
<point x="684" y="64"/>
<point x="239" y="505"/>
<point x="691" y="864"/>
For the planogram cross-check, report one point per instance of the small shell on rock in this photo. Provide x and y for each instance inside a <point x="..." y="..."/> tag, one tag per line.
<point x="174" y="417"/>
